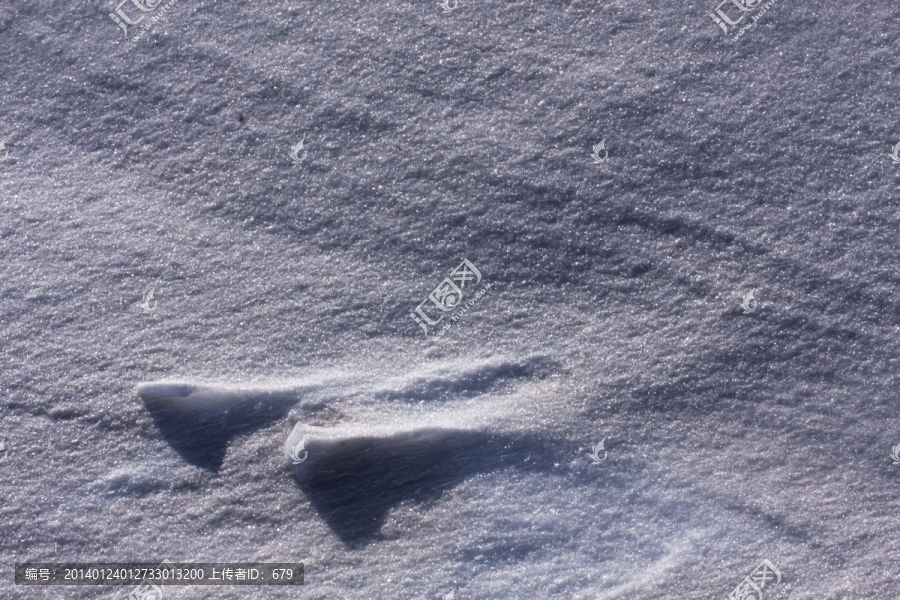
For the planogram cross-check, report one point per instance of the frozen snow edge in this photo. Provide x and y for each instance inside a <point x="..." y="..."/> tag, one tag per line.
<point x="308" y="448"/>
<point x="186" y="396"/>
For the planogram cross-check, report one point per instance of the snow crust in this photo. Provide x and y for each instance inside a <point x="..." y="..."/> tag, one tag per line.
<point x="453" y="465"/>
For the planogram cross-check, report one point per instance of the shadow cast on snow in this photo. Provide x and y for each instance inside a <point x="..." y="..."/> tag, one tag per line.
<point x="360" y="479"/>
<point x="352" y="481"/>
<point x="200" y="435"/>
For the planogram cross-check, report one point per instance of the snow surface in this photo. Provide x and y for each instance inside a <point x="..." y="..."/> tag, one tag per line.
<point x="285" y="290"/>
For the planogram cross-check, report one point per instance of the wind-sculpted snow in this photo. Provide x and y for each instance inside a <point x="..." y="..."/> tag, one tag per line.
<point x="450" y="382"/>
<point x="354" y="475"/>
<point x="186" y="398"/>
<point x="687" y="361"/>
<point x="198" y="420"/>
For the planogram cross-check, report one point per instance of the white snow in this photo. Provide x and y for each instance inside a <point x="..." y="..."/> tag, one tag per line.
<point x="143" y="429"/>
